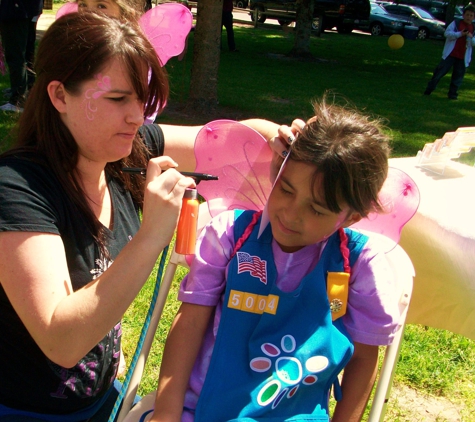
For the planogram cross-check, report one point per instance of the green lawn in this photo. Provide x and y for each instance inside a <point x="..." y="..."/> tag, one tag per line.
<point x="261" y="81"/>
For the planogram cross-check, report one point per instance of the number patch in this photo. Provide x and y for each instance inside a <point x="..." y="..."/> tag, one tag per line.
<point x="250" y="302"/>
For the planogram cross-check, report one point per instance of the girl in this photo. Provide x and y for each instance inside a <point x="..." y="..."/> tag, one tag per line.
<point x="254" y="337"/>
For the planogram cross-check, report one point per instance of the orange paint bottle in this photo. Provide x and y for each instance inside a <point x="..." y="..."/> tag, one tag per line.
<point x="187" y="223"/>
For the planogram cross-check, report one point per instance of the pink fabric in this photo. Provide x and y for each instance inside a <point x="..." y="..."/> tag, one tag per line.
<point x="167" y="27"/>
<point x="66" y="8"/>
<point x="400" y="197"/>
<point x="241" y="158"/>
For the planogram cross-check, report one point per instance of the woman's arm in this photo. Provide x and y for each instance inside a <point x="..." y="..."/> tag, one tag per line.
<point x="181" y="349"/>
<point x="180" y="144"/>
<point x="357" y="383"/>
<point x="34" y="273"/>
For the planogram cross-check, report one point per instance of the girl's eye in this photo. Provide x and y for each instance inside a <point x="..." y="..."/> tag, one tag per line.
<point x="116" y="99"/>
<point x="285" y="191"/>
<point x="316" y="212"/>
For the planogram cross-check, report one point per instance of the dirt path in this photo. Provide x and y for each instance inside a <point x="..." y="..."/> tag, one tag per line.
<point x="407" y="404"/>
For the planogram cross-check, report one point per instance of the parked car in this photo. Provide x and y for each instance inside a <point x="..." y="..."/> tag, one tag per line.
<point x="381" y="22"/>
<point x="436" y="8"/>
<point x="242" y="4"/>
<point x="342" y="14"/>
<point x="427" y="25"/>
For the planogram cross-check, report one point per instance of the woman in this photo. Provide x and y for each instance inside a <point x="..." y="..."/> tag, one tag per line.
<point x="69" y="214"/>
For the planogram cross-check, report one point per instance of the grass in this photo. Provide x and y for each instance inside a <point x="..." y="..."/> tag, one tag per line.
<point x="261" y="81"/>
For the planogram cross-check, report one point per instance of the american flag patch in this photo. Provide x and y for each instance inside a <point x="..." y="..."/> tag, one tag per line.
<point x="256" y="266"/>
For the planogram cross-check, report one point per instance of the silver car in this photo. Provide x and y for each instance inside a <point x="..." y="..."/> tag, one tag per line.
<point x="427" y="25"/>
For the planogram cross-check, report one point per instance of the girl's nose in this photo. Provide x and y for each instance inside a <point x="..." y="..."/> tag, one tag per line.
<point x="292" y="212"/>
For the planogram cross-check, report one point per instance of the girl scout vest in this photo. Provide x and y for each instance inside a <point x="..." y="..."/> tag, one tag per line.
<point x="277" y="354"/>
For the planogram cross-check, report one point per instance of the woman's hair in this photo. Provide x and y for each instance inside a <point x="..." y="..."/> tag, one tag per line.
<point x="73" y="50"/>
<point x="350" y="152"/>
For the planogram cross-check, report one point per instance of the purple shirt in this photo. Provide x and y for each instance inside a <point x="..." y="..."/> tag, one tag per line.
<point x="373" y="303"/>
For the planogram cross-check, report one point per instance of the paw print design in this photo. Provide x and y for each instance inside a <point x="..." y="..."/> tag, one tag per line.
<point x="289" y="372"/>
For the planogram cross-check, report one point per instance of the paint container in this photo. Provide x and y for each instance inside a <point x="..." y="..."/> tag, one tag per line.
<point x="187" y="223"/>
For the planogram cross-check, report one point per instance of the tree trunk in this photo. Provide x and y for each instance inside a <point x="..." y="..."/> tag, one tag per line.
<point x="206" y="53"/>
<point x="303" y="29"/>
<point x="449" y="13"/>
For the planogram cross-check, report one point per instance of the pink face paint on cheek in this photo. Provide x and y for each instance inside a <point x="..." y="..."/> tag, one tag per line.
<point x="103" y="86"/>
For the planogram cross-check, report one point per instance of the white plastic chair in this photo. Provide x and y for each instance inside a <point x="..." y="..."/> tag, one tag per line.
<point x="404" y="270"/>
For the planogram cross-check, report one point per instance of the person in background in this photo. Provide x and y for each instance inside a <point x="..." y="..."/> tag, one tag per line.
<point x="30" y="53"/>
<point x="227" y="22"/>
<point x="16" y="28"/>
<point x="457" y="53"/>
<point x="128" y="10"/>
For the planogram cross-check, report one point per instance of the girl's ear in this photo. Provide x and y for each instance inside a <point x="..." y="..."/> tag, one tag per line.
<point x="353" y="218"/>
<point x="57" y="95"/>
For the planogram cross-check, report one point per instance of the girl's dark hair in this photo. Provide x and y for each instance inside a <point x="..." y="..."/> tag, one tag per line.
<point x="350" y="152"/>
<point x="73" y="50"/>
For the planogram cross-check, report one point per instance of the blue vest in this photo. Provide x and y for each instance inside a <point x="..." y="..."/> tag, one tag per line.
<point x="277" y="354"/>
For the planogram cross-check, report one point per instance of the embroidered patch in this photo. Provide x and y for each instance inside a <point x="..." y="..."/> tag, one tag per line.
<point x="337" y="291"/>
<point x="252" y="264"/>
<point x="288" y="373"/>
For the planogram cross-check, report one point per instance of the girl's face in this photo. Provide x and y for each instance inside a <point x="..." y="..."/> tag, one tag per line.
<point x="108" y="7"/>
<point x="104" y="116"/>
<point x="299" y="216"/>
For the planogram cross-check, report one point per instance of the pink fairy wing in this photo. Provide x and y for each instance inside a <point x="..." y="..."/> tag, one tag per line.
<point x="66" y="8"/>
<point x="400" y="198"/>
<point x="241" y="158"/>
<point x="167" y="26"/>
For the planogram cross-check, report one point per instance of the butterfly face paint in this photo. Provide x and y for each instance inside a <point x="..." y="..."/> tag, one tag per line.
<point x="103" y="86"/>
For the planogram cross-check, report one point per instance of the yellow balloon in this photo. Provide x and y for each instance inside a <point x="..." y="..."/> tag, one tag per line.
<point x="395" y="41"/>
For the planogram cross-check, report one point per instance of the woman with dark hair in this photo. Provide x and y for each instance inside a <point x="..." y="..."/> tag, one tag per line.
<point x="73" y="253"/>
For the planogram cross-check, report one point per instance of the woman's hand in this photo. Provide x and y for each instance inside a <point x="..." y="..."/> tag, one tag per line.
<point x="163" y="198"/>
<point x="280" y="143"/>
<point x="66" y="323"/>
